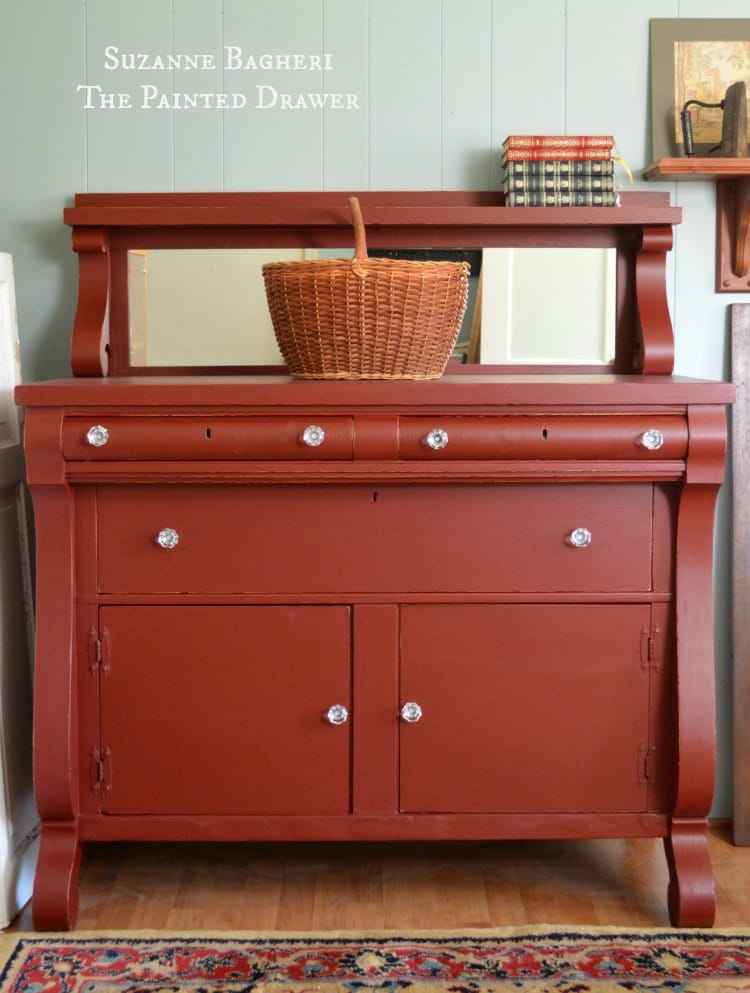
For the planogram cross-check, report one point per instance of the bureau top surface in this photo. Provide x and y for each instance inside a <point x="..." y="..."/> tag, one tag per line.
<point x="460" y="391"/>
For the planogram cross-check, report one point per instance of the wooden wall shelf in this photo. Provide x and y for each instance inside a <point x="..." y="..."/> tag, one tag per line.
<point x="732" y="177"/>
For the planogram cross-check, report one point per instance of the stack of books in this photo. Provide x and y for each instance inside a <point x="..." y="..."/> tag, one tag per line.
<point x="558" y="171"/>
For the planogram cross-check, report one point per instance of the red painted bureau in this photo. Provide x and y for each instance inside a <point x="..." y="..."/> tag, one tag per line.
<point x="471" y="608"/>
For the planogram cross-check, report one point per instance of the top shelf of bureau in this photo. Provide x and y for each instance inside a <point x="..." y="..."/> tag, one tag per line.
<point x="393" y="209"/>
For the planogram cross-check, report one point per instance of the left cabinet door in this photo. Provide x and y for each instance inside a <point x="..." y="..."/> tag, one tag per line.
<point x="221" y="709"/>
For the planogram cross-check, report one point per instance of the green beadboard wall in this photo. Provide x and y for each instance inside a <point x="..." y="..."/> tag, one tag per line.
<point x="436" y="85"/>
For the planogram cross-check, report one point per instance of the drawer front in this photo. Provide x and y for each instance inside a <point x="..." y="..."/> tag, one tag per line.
<point x="593" y="436"/>
<point x="346" y="539"/>
<point x="204" y="438"/>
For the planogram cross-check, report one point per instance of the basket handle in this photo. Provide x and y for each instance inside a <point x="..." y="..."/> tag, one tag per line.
<point x="360" y="242"/>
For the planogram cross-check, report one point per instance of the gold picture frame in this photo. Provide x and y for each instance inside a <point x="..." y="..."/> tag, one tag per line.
<point x="694" y="59"/>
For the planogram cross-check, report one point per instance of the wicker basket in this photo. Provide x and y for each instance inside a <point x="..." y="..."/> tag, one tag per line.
<point x="366" y="318"/>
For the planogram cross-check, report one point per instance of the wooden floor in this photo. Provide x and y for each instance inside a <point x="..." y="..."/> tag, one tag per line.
<point x="358" y="886"/>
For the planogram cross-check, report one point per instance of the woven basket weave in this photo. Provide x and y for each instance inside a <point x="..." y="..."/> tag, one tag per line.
<point x="366" y="318"/>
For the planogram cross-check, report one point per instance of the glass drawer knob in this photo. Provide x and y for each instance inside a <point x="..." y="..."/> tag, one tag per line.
<point x="337" y="714"/>
<point x="411" y="712"/>
<point x="437" y="439"/>
<point x="97" y="436"/>
<point x="579" y="538"/>
<point x="652" y="439"/>
<point x="167" y="538"/>
<point x="313" y="435"/>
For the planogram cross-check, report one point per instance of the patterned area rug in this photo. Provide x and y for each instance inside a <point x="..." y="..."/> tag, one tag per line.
<point x="544" y="960"/>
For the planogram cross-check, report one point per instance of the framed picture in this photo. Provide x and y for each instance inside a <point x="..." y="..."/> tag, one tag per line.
<point x="694" y="59"/>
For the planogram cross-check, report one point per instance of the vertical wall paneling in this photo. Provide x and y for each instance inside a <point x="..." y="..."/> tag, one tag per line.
<point x="469" y="154"/>
<point x="697" y="306"/>
<point x="129" y="149"/>
<point x="273" y="143"/>
<point x="346" y="147"/>
<point x="199" y="134"/>
<point x="595" y="87"/>
<point x="602" y="89"/>
<point x="528" y="68"/>
<point x="406" y="94"/>
<point x="703" y="8"/>
<point x="41" y="62"/>
<point x="42" y="163"/>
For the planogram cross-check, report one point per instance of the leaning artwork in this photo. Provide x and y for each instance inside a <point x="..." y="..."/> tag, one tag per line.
<point x="704" y="70"/>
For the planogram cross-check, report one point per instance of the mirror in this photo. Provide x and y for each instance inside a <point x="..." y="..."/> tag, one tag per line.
<point x="548" y="306"/>
<point x="531" y="306"/>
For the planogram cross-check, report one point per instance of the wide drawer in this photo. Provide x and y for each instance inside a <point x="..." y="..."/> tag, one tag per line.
<point x="532" y="436"/>
<point x="396" y="538"/>
<point x="205" y="438"/>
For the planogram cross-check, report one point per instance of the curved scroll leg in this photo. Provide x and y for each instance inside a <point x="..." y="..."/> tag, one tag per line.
<point x="691" y="894"/>
<point x="692" y="901"/>
<point x="55" y="899"/>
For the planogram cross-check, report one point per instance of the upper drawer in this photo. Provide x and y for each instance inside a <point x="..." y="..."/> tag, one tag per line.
<point x="166" y="436"/>
<point x="535" y="436"/>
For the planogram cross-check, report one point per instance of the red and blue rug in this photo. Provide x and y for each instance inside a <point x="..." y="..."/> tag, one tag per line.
<point x="545" y="960"/>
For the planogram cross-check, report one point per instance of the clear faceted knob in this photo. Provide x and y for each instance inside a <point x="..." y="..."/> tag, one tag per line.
<point x="579" y="538"/>
<point x="437" y="439"/>
<point x="652" y="439"/>
<point x="337" y="714"/>
<point x="167" y="538"/>
<point x="97" y="436"/>
<point x="411" y="712"/>
<point x="313" y="435"/>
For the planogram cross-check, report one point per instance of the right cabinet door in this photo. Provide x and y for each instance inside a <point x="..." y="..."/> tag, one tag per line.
<point x="525" y="707"/>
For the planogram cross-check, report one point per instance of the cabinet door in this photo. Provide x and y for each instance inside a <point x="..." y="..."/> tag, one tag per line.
<point x="525" y="707"/>
<point x="221" y="709"/>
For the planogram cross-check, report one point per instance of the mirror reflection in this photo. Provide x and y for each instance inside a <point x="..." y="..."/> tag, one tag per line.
<point x="548" y="306"/>
<point x="207" y="307"/>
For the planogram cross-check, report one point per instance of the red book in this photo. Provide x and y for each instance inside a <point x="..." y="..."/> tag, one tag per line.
<point x="570" y="141"/>
<point x="531" y="147"/>
<point x="554" y="154"/>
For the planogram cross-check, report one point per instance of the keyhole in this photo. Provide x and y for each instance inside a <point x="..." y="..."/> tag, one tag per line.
<point x="208" y="433"/>
<point x="544" y="433"/>
<point x="375" y="497"/>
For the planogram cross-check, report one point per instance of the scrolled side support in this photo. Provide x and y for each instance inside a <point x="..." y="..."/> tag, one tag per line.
<point x="90" y="345"/>
<point x="691" y="896"/>
<point x="55" y="742"/>
<point x="654" y="353"/>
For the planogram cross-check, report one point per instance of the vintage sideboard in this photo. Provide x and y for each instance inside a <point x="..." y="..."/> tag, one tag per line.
<point x="470" y="608"/>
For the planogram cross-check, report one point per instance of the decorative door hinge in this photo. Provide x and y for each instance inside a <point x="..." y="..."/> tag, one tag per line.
<point x="100" y="771"/>
<point x="98" y="651"/>
<point x="650" y="644"/>
<point x="646" y="756"/>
